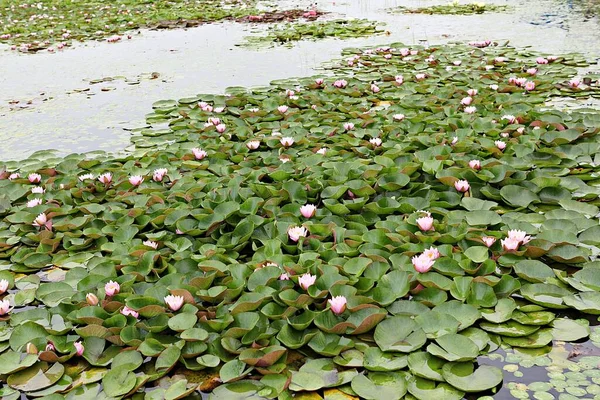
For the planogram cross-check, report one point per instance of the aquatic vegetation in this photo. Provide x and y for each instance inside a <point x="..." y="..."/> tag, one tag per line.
<point x="263" y="244"/>
<point x="453" y="8"/>
<point x="291" y="32"/>
<point x="54" y="24"/>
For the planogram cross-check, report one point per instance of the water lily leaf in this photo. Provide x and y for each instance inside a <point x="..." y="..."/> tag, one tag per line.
<point x="550" y="296"/>
<point x="399" y="333"/>
<point x="533" y="271"/>
<point x="465" y="314"/>
<point x="454" y="347"/>
<point x="376" y="360"/>
<point x="424" y="389"/>
<point x="234" y="370"/>
<point x="537" y="339"/>
<point x="588" y="302"/>
<point x="518" y="196"/>
<point x="425" y="365"/>
<point x="118" y="382"/>
<point x="477" y="254"/>
<point x="36" y="377"/>
<point x="380" y="385"/>
<point x="167" y="359"/>
<point x="510" y="328"/>
<point x="12" y="361"/>
<point x="570" y="330"/>
<point x="464" y="377"/>
<point x="264" y="357"/>
<point x="436" y="324"/>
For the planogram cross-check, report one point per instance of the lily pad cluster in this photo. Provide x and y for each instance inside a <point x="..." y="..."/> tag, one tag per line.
<point x="453" y="8"/>
<point x="54" y="24"/>
<point x="295" y="31"/>
<point x="366" y="234"/>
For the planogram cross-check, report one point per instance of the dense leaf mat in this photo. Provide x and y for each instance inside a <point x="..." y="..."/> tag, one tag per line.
<point x="207" y="211"/>
<point x="56" y="23"/>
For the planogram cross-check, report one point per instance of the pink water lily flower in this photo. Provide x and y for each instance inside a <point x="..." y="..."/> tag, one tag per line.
<point x="454" y="140"/>
<point x="532" y="71"/>
<point x="509" y="244"/>
<point x="34" y="178"/>
<point x="520" y="81"/>
<point x="308" y="210"/>
<point x="111" y="288"/>
<point x="174" y="302"/>
<point x="431" y="253"/>
<point x="472" y="92"/>
<point x="462" y="186"/>
<point x="404" y="51"/>
<point x="4" y="307"/>
<point x="422" y="264"/>
<point x="214" y="121"/>
<point x="425" y="223"/>
<point x="126" y="311"/>
<point x="287" y="141"/>
<point x="574" y="83"/>
<point x="322" y="151"/>
<point x="136" y="180"/>
<point x="376" y="142"/>
<point x="375" y="88"/>
<point x="488" y="240"/>
<point x="282" y="109"/>
<point x="79" y="348"/>
<point x="398" y="117"/>
<point x="494" y="87"/>
<point x="399" y="79"/>
<point x="338" y="304"/>
<point x="42" y="221"/>
<point x="151" y="243"/>
<point x="466" y="101"/>
<point x="50" y="347"/>
<point x="518" y="235"/>
<point x="307" y="280"/>
<point x="510" y="118"/>
<point x="470" y="109"/>
<point x="159" y="174"/>
<point x="284" y="277"/>
<point x="475" y="164"/>
<point x="199" y="154"/>
<point x="253" y="144"/>
<point x="34" y="202"/>
<point x="219" y="110"/>
<point x="340" y="83"/>
<point x="319" y="81"/>
<point x="3" y="286"/>
<point x="91" y="299"/>
<point x="500" y="144"/>
<point x="505" y="134"/>
<point x="420" y="76"/>
<point x="38" y="190"/>
<point x="348" y="126"/>
<point x="541" y="60"/>
<point x="456" y="63"/>
<point x="221" y="128"/>
<point x="13" y="176"/>
<point x="105" y="178"/>
<point x="297" y="232"/>
<point x="529" y="85"/>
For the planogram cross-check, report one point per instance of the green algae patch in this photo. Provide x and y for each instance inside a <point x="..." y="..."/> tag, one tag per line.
<point x="452" y="8"/>
<point x="293" y="32"/>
